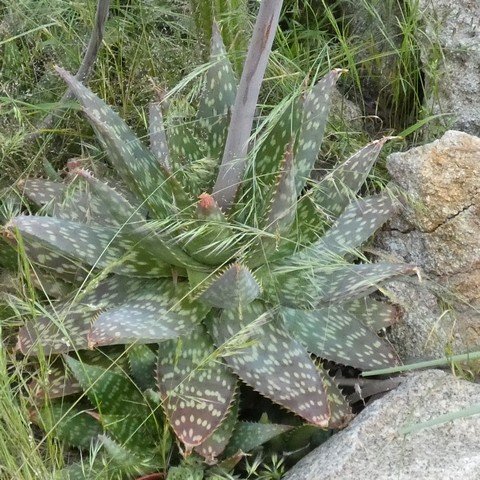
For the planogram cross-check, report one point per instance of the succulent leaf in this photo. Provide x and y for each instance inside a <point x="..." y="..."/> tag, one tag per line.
<point x="56" y="333"/>
<point x="216" y="443"/>
<point x="335" y="190"/>
<point x="315" y="113"/>
<point x="373" y="313"/>
<point x="250" y="435"/>
<point x="340" y="410"/>
<point x="59" y="383"/>
<point x="42" y="192"/>
<point x="158" y="136"/>
<point x="133" y="162"/>
<point x="355" y="225"/>
<point x="275" y="142"/>
<point x="96" y="246"/>
<point x="284" y="198"/>
<point x="143" y="361"/>
<point x="211" y="240"/>
<point x="112" y="203"/>
<point x="196" y="388"/>
<point x="334" y="334"/>
<point x="310" y="288"/>
<point x="271" y="361"/>
<point x="234" y="286"/>
<point x="158" y="314"/>
<point x="123" y="411"/>
<point x="218" y="96"/>
<point x="69" y="422"/>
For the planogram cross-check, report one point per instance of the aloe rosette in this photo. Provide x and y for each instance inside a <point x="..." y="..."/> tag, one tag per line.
<point x="255" y="282"/>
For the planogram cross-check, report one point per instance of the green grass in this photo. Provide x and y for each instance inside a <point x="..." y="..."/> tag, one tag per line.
<point x="149" y="45"/>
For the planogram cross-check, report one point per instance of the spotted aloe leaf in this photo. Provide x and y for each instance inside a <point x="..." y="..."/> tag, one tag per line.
<point x="315" y="113"/>
<point x="308" y="288"/>
<point x="374" y="314"/>
<point x="184" y="147"/>
<point x="340" y="411"/>
<point x="56" y="333"/>
<point x="234" y="286"/>
<point x="250" y="435"/>
<point x="332" y="333"/>
<point x="218" y="96"/>
<point x="278" y="139"/>
<point x="95" y="246"/>
<point x="42" y="192"/>
<point x="196" y="388"/>
<point x="123" y="410"/>
<point x="39" y="256"/>
<point x="59" y="383"/>
<point x="157" y="134"/>
<point x="283" y="201"/>
<point x="143" y="361"/>
<point x="125" y="461"/>
<point x="216" y="443"/>
<point x="50" y="285"/>
<point x="69" y="422"/>
<point x="355" y="225"/>
<point x="160" y="313"/>
<point x="271" y="361"/>
<point x="335" y="191"/>
<point x="132" y="161"/>
<point x="113" y="204"/>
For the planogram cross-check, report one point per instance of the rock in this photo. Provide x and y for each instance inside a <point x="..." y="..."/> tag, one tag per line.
<point x="438" y="230"/>
<point x="374" y="448"/>
<point x="450" y="52"/>
<point x="347" y="112"/>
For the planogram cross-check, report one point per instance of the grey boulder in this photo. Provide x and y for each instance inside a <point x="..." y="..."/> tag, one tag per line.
<point x="373" y="446"/>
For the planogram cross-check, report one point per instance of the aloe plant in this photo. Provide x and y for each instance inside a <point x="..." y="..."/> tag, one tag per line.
<point x="255" y="282"/>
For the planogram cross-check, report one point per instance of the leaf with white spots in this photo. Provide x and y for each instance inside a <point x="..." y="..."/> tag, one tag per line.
<point x="332" y="333"/>
<point x="125" y="461"/>
<point x="157" y="133"/>
<point x="308" y="288"/>
<point x="281" y="212"/>
<point x="143" y="361"/>
<point x="161" y="313"/>
<point x="316" y="107"/>
<point x="133" y="162"/>
<point x="59" y="383"/>
<point x="184" y="147"/>
<point x="218" y="96"/>
<point x="216" y="443"/>
<point x="111" y="202"/>
<point x="271" y="361"/>
<point x="374" y="314"/>
<point x="234" y="286"/>
<point x="56" y="333"/>
<point x="355" y="225"/>
<point x="113" y="291"/>
<point x="197" y="389"/>
<point x="42" y="192"/>
<point x="335" y="191"/>
<point x="250" y="435"/>
<point x="340" y="410"/>
<point x="99" y="247"/>
<point x="275" y="142"/>
<point x="69" y="422"/>
<point x="123" y="410"/>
